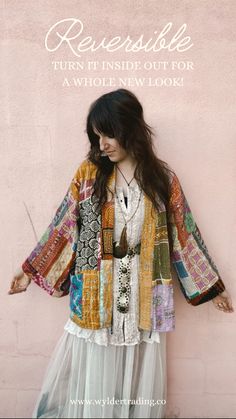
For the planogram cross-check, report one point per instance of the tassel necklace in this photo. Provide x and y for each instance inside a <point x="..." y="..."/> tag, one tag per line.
<point x="120" y="248"/>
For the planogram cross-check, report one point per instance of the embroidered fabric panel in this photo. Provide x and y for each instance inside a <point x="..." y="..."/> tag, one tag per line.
<point x="51" y="260"/>
<point x="163" y="315"/>
<point x="87" y="288"/>
<point x="107" y="230"/>
<point x="58" y="232"/>
<point x="198" y="275"/>
<point x="88" y="241"/>
<point x="161" y="264"/>
<point x="194" y="270"/>
<point x="85" y="189"/>
<point x="198" y="266"/>
<point x="108" y="219"/>
<point x="76" y="291"/>
<point x="105" y="294"/>
<point x="199" y="240"/>
<point x="146" y="265"/>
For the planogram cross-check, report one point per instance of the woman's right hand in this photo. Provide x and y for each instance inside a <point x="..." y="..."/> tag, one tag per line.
<point x="19" y="283"/>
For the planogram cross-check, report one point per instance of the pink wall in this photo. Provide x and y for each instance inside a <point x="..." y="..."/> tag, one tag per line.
<point x="43" y="141"/>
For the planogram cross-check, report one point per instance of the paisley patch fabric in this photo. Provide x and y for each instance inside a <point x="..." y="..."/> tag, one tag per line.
<point x="88" y="241"/>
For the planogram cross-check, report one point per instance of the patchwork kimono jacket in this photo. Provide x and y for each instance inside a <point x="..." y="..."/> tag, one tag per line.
<point x="75" y="256"/>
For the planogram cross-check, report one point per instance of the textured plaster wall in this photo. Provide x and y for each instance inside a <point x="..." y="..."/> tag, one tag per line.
<point x="43" y="141"/>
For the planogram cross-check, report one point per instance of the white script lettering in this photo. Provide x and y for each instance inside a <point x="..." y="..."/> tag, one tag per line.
<point x="61" y="33"/>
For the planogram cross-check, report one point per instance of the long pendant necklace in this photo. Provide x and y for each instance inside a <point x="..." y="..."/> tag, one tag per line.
<point x="120" y="248"/>
<point x="128" y="183"/>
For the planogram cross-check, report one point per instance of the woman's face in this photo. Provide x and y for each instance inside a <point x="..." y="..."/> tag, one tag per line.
<point x="111" y="147"/>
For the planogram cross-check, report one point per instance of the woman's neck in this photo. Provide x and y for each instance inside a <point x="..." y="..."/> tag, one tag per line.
<point x="125" y="172"/>
<point x="127" y="165"/>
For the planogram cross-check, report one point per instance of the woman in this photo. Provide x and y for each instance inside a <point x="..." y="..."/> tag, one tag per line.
<point x="124" y="219"/>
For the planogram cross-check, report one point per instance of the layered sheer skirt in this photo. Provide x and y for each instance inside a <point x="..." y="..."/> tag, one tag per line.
<point x="87" y="380"/>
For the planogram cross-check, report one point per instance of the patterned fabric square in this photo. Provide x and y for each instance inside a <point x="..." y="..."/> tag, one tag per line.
<point x="197" y="265"/>
<point x="88" y="241"/>
<point x="180" y="268"/>
<point x="161" y="264"/>
<point x="179" y="206"/>
<point x="190" y="288"/>
<point x="50" y="252"/>
<point x="85" y="189"/>
<point x="105" y="292"/>
<point x="146" y="265"/>
<point x="163" y="315"/>
<point x="107" y="243"/>
<point x="76" y="291"/>
<point x="63" y="208"/>
<point x="90" y="300"/>
<point x="201" y="244"/>
<point x="107" y="230"/>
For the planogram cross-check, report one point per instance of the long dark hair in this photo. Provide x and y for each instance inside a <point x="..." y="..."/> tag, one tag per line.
<point x="119" y="114"/>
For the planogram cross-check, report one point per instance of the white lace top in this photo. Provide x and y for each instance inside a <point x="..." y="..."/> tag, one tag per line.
<point x="125" y="325"/>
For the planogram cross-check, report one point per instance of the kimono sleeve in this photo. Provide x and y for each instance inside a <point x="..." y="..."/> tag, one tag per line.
<point x="199" y="278"/>
<point x="51" y="261"/>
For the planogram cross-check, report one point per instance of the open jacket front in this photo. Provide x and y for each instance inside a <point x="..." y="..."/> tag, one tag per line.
<point x="75" y="256"/>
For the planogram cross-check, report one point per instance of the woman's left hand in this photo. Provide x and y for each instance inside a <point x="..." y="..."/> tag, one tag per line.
<point x="223" y="302"/>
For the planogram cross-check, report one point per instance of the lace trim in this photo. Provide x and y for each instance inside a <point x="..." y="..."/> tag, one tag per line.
<point x="103" y="337"/>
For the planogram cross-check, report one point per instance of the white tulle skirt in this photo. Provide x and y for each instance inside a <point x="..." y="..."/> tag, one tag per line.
<point x="87" y="380"/>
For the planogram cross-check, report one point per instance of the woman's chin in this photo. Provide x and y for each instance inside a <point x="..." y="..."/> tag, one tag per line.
<point x="112" y="157"/>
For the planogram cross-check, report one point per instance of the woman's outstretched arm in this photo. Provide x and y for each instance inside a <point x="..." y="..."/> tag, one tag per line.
<point x="50" y="262"/>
